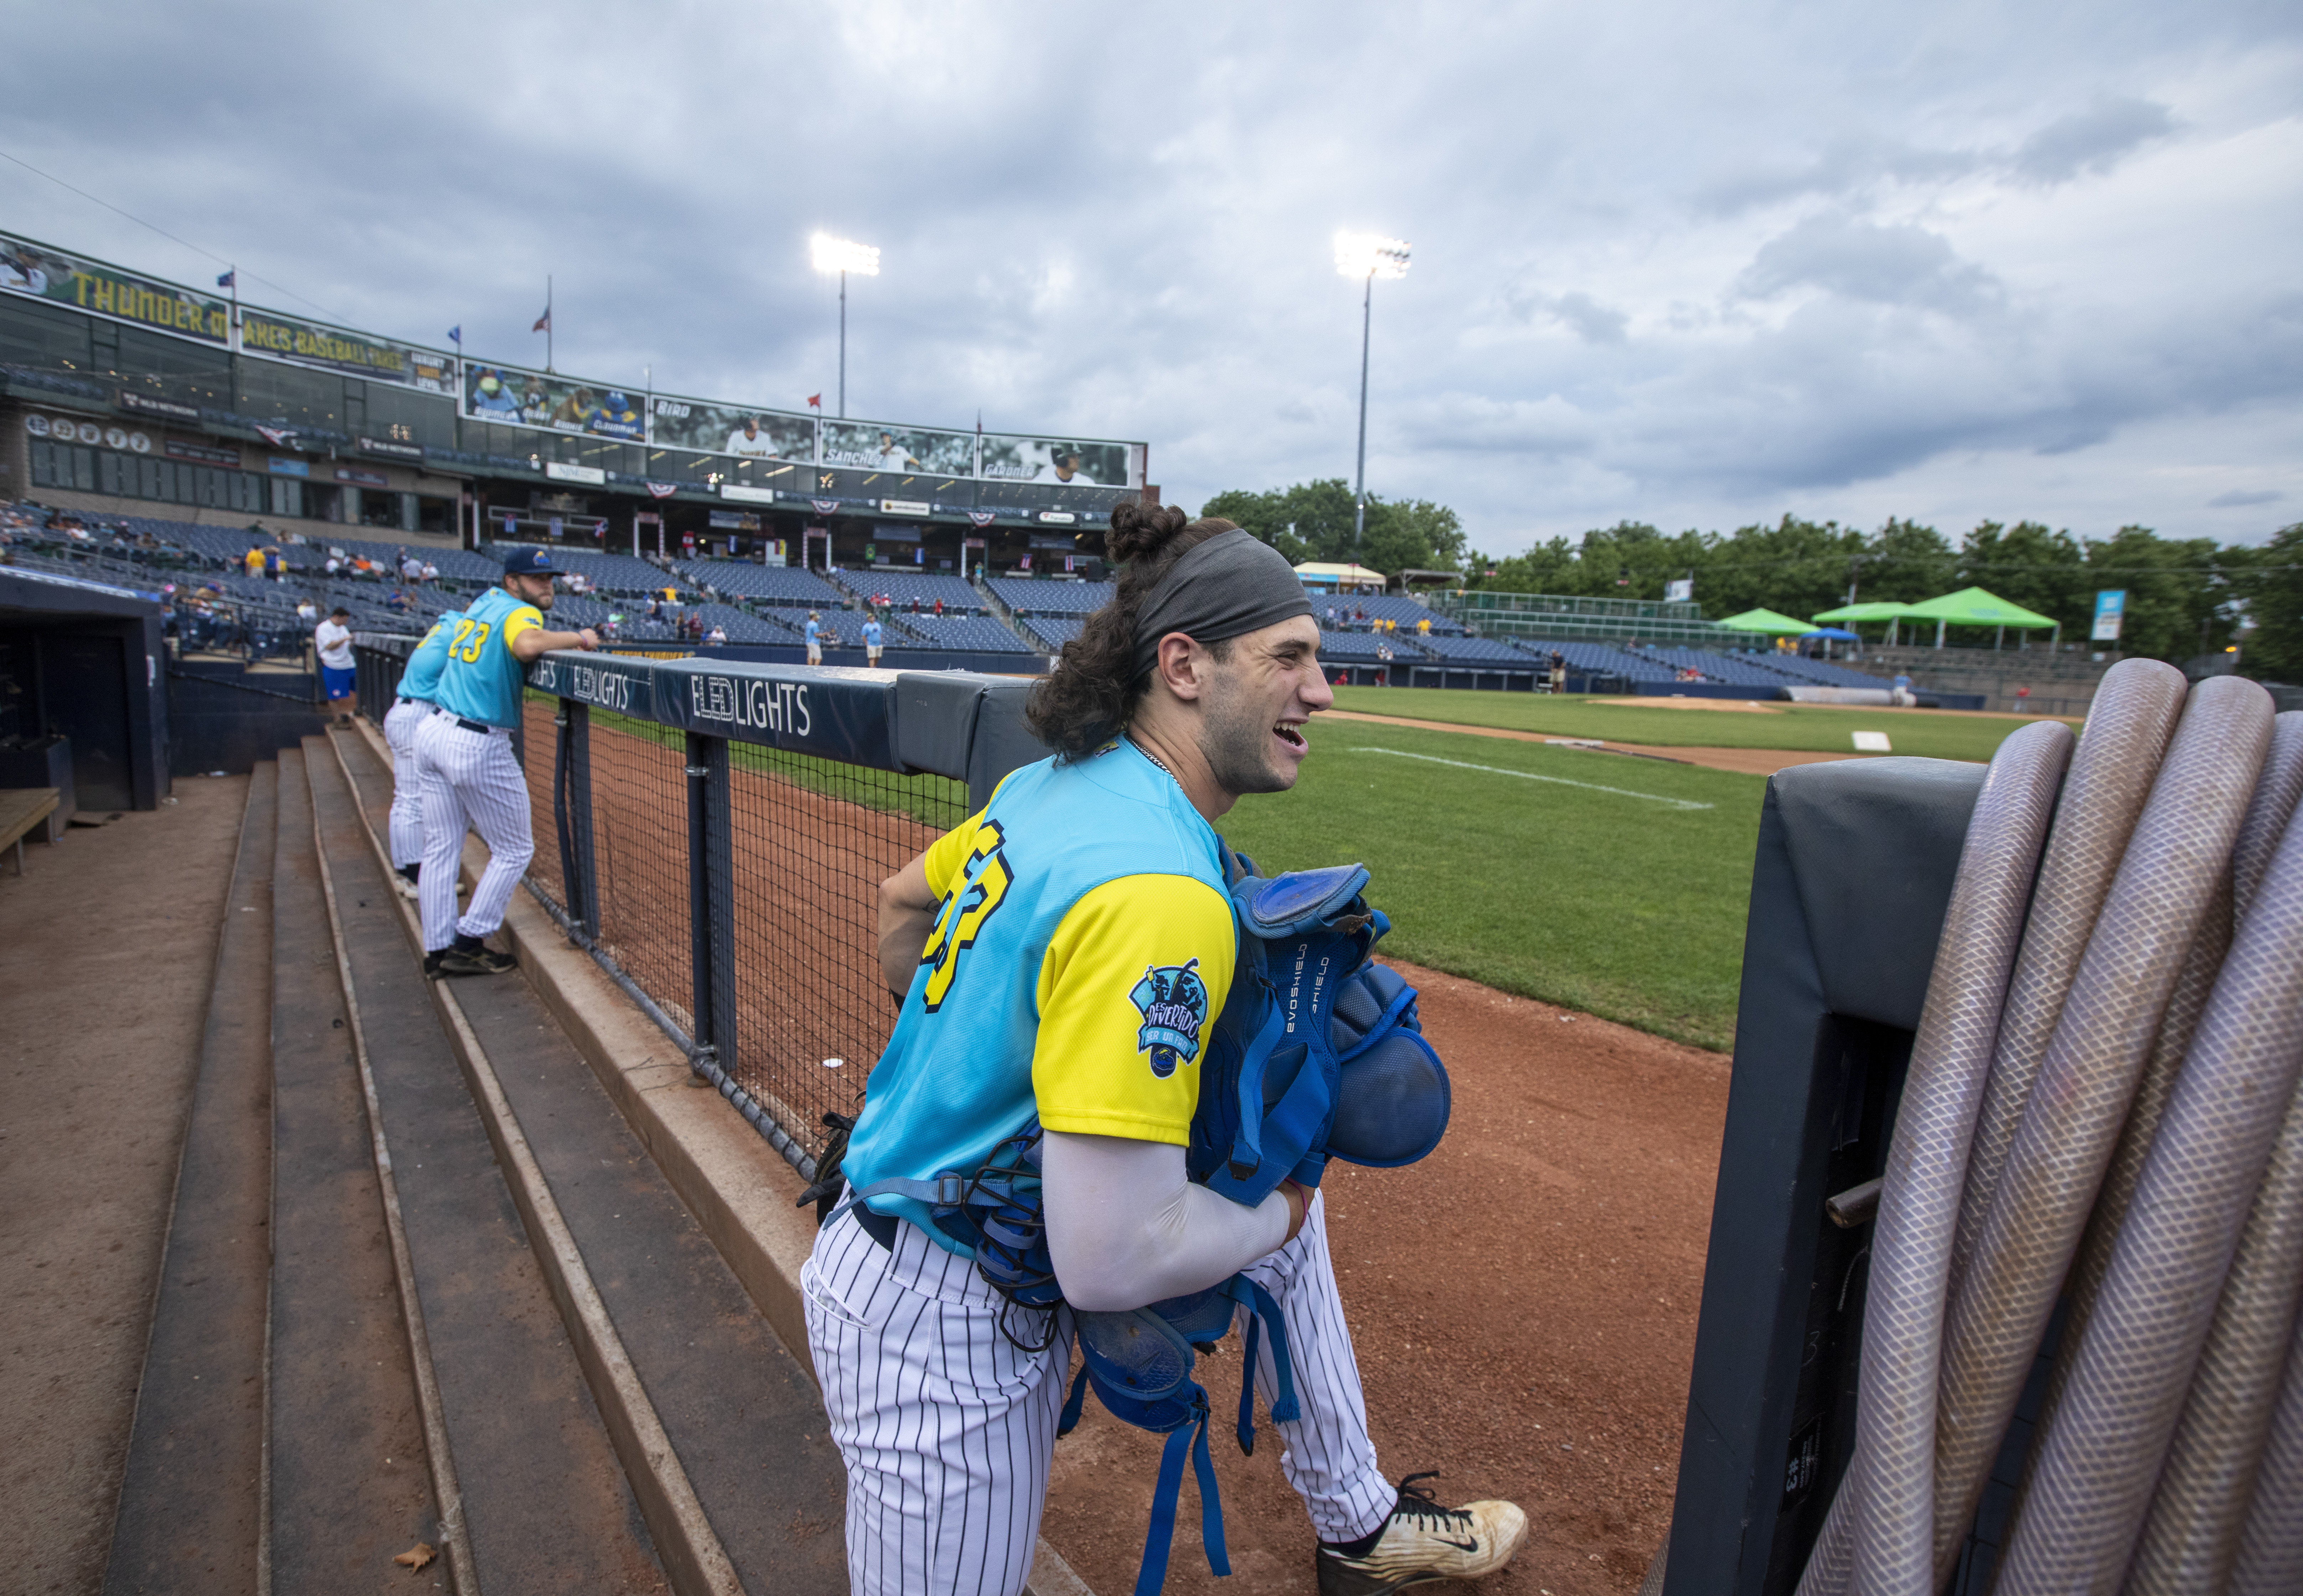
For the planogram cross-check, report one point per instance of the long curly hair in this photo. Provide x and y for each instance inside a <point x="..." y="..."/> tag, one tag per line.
<point x="1090" y="695"/>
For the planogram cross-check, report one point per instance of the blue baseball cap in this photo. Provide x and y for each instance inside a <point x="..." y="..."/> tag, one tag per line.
<point x="529" y="562"/>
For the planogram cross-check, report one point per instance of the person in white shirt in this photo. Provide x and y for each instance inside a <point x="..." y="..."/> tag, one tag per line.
<point x="334" y="642"/>
<point x="431" y="572"/>
<point x="411" y="569"/>
<point x="1063" y="468"/>
<point x="749" y="439"/>
<point x="892" y="456"/>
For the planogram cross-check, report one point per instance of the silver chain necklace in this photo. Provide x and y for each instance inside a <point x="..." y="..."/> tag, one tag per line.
<point x="1156" y="760"/>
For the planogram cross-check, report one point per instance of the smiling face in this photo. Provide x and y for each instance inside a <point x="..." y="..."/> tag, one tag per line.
<point x="1258" y="702"/>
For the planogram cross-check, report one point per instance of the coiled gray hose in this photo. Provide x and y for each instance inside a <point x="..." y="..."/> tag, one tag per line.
<point x="2094" y="1467"/>
<point x="1951" y="1058"/>
<point x="2271" y="1547"/>
<point x="2191" y="1539"/>
<point x="2072" y="1118"/>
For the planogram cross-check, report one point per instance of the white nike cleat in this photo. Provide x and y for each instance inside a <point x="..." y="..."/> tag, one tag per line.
<point x="1422" y="1542"/>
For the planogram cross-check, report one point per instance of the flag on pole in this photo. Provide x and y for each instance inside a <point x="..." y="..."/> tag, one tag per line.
<point x="230" y="279"/>
<point x="816" y="401"/>
<point x="456" y="335"/>
<point x="544" y="322"/>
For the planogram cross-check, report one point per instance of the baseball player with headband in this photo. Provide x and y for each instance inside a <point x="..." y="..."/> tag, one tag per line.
<point x="466" y="766"/>
<point x="1063" y="957"/>
<point x="419" y="679"/>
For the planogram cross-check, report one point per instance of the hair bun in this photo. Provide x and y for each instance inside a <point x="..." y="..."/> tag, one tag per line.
<point x="1140" y="529"/>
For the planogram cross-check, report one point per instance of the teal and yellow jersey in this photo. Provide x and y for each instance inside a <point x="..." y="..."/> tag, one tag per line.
<point x="480" y="679"/>
<point x="1083" y="948"/>
<point x="419" y="679"/>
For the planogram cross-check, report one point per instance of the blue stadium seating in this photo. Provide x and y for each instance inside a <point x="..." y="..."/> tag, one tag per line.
<point x="1597" y="658"/>
<point x="1029" y="595"/>
<point x="1053" y="630"/>
<point x="611" y="573"/>
<point x="962" y="631"/>
<point x="1363" y="648"/>
<point x="1380" y="607"/>
<point x="1466" y="651"/>
<point x="1726" y="670"/>
<point x="1819" y="673"/>
<point x="903" y="586"/>
<point x="766" y="584"/>
<point x="743" y="626"/>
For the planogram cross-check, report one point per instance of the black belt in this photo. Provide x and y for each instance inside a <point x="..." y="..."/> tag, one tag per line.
<point x="880" y="1227"/>
<point x="481" y="727"/>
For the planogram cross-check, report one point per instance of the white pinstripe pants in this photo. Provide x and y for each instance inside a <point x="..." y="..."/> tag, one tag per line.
<point x="407" y="826"/>
<point x="948" y="1430"/>
<point x="468" y="778"/>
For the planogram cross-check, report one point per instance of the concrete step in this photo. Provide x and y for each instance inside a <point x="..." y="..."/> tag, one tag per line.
<point x="348" y="1483"/>
<point x="720" y="1429"/>
<point x="545" y="1505"/>
<point x="191" y="1501"/>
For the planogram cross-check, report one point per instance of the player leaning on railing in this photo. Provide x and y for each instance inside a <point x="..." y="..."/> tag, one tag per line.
<point x="1061" y="956"/>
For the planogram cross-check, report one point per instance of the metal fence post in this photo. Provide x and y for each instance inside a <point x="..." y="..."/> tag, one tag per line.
<point x="720" y="876"/>
<point x="699" y="901"/>
<point x="571" y="814"/>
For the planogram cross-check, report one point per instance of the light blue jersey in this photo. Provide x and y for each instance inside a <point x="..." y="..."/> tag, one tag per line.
<point x="1084" y="943"/>
<point x="814" y="630"/>
<point x="481" y="679"/>
<point x="419" y="679"/>
<point x="872" y="635"/>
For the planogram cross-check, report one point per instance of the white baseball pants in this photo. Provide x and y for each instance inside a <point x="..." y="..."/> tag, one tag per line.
<point x="468" y="778"/>
<point x="407" y="825"/>
<point x="948" y="1430"/>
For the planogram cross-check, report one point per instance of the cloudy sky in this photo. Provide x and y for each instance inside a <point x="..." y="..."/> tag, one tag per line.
<point x="1697" y="264"/>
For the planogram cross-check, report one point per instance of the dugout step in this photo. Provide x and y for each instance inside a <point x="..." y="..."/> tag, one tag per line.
<point x="191" y="1496"/>
<point x="739" y="1411"/>
<point x="546" y="1503"/>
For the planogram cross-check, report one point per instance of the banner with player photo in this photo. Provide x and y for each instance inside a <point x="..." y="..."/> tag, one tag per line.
<point x="331" y="348"/>
<point x="32" y="268"/>
<point x="1062" y="461"/>
<point x="510" y="396"/>
<point x="731" y="430"/>
<point x="875" y="446"/>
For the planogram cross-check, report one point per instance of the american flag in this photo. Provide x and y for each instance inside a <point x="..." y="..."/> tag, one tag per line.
<point x="544" y="322"/>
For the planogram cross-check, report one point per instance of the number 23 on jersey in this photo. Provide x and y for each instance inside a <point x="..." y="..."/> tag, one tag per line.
<point x="974" y="898"/>
<point x="477" y="632"/>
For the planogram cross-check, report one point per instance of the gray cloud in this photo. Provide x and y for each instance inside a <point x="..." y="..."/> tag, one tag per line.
<point x="2245" y="500"/>
<point x="2093" y="140"/>
<point x="1831" y="228"/>
<point x="1862" y="260"/>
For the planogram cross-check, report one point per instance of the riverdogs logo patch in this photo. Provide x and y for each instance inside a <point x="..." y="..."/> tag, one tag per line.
<point x="1174" y="1002"/>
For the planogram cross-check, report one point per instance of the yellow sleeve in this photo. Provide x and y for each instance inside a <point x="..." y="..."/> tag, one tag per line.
<point x="525" y="618"/>
<point x="948" y="854"/>
<point x="1129" y="989"/>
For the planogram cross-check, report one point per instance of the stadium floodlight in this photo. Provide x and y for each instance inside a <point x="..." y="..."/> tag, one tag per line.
<point x="1367" y="256"/>
<point x="843" y="257"/>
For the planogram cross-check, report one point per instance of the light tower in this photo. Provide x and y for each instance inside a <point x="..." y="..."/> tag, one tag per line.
<point x="1367" y="256"/>
<point x="838" y="254"/>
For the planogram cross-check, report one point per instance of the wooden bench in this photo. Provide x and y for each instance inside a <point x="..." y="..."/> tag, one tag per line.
<point x="21" y="809"/>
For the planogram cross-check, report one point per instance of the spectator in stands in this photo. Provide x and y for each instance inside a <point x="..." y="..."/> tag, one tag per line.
<point x="1331" y="617"/>
<point x="337" y="680"/>
<point x="431" y="572"/>
<point x="871" y="635"/>
<point x="815" y="633"/>
<point x="1899" y="691"/>
<point x="1423" y="627"/>
<point x="939" y="605"/>
<point x="275" y="563"/>
<point x="307" y="612"/>
<point x="717" y="636"/>
<point x="411" y="569"/>
<point x="1558" y="671"/>
<point x="254" y="561"/>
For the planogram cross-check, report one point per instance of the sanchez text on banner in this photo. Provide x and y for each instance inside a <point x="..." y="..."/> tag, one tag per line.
<point x="879" y="446"/>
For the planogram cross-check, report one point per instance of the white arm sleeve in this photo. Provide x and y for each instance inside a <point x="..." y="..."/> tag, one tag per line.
<point x="1126" y="1227"/>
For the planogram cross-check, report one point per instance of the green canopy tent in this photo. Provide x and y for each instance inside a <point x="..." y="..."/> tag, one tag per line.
<point x="1765" y="621"/>
<point x="1973" y="607"/>
<point x="1849" y="615"/>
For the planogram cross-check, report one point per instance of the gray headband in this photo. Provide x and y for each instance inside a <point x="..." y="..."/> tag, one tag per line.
<point x="1226" y="587"/>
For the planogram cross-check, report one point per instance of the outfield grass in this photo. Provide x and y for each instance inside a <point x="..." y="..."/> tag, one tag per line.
<point x="1619" y="905"/>
<point x="1800" y="728"/>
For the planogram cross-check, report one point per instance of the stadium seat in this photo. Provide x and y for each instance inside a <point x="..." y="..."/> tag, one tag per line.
<point x="1030" y="595"/>
<point x="901" y="587"/>
<point x="785" y="585"/>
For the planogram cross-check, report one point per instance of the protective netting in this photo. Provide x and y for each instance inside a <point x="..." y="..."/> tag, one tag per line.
<point x="810" y="841"/>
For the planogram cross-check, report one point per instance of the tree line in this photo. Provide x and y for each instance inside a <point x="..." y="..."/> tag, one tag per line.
<point x="2185" y="596"/>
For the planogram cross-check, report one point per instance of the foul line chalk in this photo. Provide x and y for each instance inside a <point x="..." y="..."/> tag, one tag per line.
<point x="1589" y="786"/>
